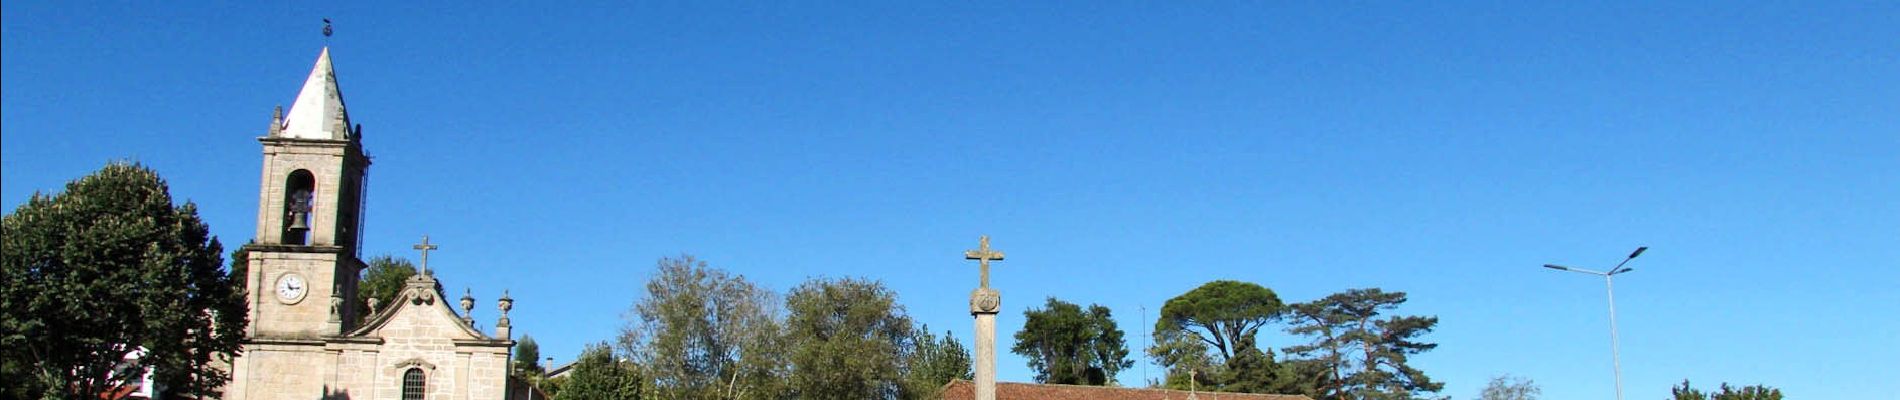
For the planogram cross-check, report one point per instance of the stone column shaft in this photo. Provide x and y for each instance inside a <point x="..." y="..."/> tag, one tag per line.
<point x="986" y="356"/>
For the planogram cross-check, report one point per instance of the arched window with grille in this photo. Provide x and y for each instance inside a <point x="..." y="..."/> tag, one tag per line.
<point x="414" y="384"/>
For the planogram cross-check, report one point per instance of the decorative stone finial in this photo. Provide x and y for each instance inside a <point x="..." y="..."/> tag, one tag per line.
<point x="373" y="302"/>
<point x="506" y="303"/>
<point x="277" y="121"/>
<point x="468" y="306"/>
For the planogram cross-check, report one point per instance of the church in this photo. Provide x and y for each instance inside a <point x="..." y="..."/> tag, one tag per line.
<point x="305" y="339"/>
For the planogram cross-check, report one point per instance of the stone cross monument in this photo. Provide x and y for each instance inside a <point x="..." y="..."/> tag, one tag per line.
<point x="424" y="247"/>
<point x="984" y="302"/>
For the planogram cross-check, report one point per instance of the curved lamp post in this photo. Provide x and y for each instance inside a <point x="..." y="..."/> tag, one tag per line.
<point x="1616" y="361"/>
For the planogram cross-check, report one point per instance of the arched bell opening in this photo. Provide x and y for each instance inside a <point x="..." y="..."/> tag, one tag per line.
<point x="300" y="192"/>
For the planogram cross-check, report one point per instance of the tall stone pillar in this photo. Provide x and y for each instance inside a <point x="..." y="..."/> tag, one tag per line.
<point x="984" y="302"/>
<point x="983" y="305"/>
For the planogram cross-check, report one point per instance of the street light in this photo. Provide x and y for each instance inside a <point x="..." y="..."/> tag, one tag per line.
<point x="1616" y="361"/>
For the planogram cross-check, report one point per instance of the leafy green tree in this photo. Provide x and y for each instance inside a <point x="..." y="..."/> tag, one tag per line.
<point x="1202" y="332"/>
<point x="382" y="281"/>
<point x="598" y="375"/>
<point x="1186" y="358"/>
<point x="1066" y="345"/>
<point x="1367" y="355"/>
<point x="1684" y="392"/>
<point x="1508" y="387"/>
<point x="933" y="362"/>
<point x="1751" y="392"/>
<point x="847" y="339"/>
<point x="527" y="364"/>
<point x="551" y="387"/>
<point x="107" y="268"/>
<point x="701" y="333"/>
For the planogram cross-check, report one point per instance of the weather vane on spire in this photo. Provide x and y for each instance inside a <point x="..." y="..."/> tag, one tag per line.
<point x="326" y="29"/>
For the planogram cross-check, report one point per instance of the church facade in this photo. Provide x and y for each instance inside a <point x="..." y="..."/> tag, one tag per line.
<point x="306" y="339"/>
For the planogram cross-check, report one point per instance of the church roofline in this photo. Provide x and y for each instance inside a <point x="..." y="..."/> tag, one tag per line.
<point x="422" y="291"/>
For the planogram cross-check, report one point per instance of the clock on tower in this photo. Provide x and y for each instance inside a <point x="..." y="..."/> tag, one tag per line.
<point x="309" y="216"/>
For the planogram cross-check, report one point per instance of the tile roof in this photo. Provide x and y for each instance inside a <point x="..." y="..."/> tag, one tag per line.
<point x="966" y="390"/>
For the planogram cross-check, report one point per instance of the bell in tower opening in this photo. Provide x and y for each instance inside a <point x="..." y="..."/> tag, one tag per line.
<point x="297" y="207"/>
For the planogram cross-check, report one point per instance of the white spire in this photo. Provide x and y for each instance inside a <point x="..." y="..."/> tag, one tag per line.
<point x="318" y="112"/>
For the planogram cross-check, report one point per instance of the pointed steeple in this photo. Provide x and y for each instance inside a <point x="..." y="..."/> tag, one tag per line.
<point x="318" y="112"/>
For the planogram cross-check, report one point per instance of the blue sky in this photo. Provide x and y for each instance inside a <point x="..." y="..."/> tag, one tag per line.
<point x="1122" y="153"/>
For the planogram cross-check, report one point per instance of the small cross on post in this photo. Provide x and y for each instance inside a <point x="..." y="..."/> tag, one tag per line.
<point x="425" y="247"/>
<point x="983" y="255"/>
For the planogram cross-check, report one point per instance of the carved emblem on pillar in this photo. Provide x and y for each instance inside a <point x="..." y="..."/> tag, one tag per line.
<point x="985" y="301"/>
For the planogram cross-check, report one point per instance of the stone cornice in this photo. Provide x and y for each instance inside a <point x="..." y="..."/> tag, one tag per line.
<point x="284" y="341"/>
<point x="482" y="342"/>
<point x="353" y="340"/>
<point x="287" y="248"/>
<point x="307" y="141"/>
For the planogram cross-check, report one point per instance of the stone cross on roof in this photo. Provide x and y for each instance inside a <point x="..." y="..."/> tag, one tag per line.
<point x="425" y="247"/>
<point x="983" y="255"/>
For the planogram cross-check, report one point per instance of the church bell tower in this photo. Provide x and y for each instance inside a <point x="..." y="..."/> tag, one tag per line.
<point x="305" y="258"/>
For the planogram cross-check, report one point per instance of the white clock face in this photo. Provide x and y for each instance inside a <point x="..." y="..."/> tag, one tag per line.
<point x="291" y="288"/>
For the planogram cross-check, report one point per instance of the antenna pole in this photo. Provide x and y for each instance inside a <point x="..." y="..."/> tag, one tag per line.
<point x="1151" y="341"/>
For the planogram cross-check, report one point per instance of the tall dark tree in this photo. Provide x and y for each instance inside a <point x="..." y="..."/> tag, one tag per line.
<point x="527" y="363"/>
<point x="599" y="375"/>
<point x="1368" y="356"/>
<point x="934" y="362"/>
<point x="847" y="339"/>
<point x="105" y="269"/>
<point x="1329" y="349"/>
<point x="1257" y="371"/>
<point x="1067" y="345"/>
<point x="240" y="268"/>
